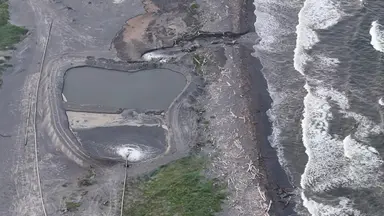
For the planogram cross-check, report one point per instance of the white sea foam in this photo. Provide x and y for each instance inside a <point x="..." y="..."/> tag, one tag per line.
<point x="275" y="37"/>
<point x="320" y="146"/>
<point x="133" y="153"/>
<point x="332" y="160"/>
<point x="274" y="140"/>
<point x="118" y="1"/>
<point x="343" y="208"/>
<point x="339" y="98"/>
<point x="377" y="36"/>
<point x="365" y="127"/>
<point x="330" y="63"/>
<point x="381" y="101"/>
<point x="268" y="28"/>
<point x="335" y="161"/>
<point x="313" y="16"/>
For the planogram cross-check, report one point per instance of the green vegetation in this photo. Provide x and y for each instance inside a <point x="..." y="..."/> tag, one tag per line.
<point x="72" y="206"/>
<point x="9" y="34"/>
<point x="88" y="179"/>
<point x="199" y="61"/>
<point x="194" y="6"/>
<point x="4" y="14"/>
<point x="178" y="188"/>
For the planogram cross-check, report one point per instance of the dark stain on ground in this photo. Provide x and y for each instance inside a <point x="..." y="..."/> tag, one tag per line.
<point x="247" y="17"/>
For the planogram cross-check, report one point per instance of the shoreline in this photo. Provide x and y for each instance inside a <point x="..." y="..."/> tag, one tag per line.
<point x="259" y="102"/>
<point x="278" y="185"/>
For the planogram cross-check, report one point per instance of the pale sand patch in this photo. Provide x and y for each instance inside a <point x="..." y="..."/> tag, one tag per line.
<point x="83" y="120"/>
<point x="136" y="27"/>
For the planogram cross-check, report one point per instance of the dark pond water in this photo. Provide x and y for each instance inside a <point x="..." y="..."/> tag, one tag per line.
<point x="145" y="89"/>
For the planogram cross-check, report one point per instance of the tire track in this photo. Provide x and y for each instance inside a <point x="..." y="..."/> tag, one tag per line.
<point x="34" y="122"/>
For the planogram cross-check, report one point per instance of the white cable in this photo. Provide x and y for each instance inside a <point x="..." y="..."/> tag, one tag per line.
<point x="34" y="121"/>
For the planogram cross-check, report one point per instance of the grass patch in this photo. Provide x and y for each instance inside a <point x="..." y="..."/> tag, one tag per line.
<point x="88" y="179"/>
<point x="179" y="189"/>
<point x="193" y="9"/>
<point x="9" y="34"/>
<point x="206" y="122"/>
<point x="72" y="206"/>
<point x="194" y="6"/>
<point x="4" y="14"/>
<point x="199" y="61"/>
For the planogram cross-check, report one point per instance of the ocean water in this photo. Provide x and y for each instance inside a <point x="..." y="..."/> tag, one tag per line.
<point x="323" y="62"/>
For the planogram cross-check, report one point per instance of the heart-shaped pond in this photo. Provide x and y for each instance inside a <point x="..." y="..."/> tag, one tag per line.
<point x="144" y="89"/>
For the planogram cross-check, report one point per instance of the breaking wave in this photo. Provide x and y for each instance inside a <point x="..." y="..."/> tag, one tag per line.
<point x="334" y="135"/>
<point x="377" y="36"/>
<point x="334" y="161"/>
<point x="343" y="207"/>
<point x="274" y="51"/>
<point x="313" y="16"/>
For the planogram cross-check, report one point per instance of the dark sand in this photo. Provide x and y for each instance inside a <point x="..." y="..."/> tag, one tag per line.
<point x="278" y="186"/>
<point x="259" y="105"/>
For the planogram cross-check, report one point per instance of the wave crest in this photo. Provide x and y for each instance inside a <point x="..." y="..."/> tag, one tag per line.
<point x="313" y="16"/>
<point x="377" y="36"/>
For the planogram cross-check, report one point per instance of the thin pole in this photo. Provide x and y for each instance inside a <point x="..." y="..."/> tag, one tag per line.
<point x="124" y="185"/>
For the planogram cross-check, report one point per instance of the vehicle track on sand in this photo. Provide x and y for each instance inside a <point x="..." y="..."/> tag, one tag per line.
<point x="50" y="116"/>
<point x="34" y="121"/>
<point x="55" y="119"/>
